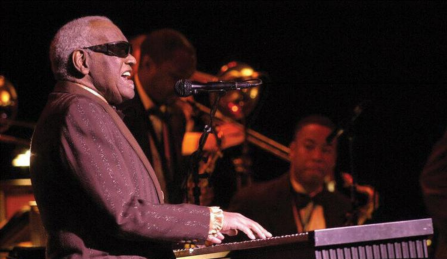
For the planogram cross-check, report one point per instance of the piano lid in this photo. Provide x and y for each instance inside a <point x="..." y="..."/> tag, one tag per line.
<point x="373" y="232"/>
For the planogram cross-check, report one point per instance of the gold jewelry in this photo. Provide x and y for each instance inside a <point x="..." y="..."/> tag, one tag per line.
<point x="216" y="221"/>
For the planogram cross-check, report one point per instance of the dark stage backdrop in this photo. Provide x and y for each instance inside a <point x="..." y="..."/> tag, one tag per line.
<point x="321" y="57"/>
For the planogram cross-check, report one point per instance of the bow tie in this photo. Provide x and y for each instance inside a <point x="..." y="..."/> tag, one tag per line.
<point x="302" y="200"/>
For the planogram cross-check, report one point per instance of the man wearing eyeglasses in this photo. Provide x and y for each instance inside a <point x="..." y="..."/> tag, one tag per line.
<point x="96" y="191"/>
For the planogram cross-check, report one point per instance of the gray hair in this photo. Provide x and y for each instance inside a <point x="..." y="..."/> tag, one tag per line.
<point x="71" y="36"/>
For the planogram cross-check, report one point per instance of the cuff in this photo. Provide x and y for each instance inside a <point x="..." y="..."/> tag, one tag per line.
<point x="216" y="220"/>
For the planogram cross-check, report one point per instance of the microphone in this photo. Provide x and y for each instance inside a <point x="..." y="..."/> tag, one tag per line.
<point x="337" y="132"/>
<point x="185" y="87"/>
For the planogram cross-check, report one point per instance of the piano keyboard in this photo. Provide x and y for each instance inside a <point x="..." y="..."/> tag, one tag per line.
<point x="402" y="239"/>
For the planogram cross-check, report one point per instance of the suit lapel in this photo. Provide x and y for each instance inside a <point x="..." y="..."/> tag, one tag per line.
<point x="75" y="89"/>
<point x="282" y="218"/>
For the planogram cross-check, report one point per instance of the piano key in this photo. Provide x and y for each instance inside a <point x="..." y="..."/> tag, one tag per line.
<point x="419" y="249"/>
<point x="362" y="252"/>
<point x="391" y="253"/>
<point x="355" y="252"/>
<point x="376" y="251"/>
<point x="412" y="246"/>
<point x="409" y="243"/>
<point x="405" y="250"/>
<point x="383" y="251"/>
<point x="369" y="252"/>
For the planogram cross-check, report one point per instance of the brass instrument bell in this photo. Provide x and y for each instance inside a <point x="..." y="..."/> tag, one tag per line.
<point x="238" y="104"/>
<point x="8" y="103"/>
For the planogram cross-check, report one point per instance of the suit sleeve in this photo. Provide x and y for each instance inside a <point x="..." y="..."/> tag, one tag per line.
<point x="112" y="178"/>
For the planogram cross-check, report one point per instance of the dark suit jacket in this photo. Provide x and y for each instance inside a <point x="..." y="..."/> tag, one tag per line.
<point x="136" y="119"/>
<point x="270" y="204"/>
<point x="96" y="191"/>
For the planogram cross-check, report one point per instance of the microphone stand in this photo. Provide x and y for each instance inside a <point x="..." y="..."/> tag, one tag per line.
<point x="197" y="156"/>
<point x="352" y="217"/>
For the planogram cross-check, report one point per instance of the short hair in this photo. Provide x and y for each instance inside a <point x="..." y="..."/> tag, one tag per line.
<point x="314" y="119"/>
<point x="161" y="44"/>
<point x="73" y="35"/>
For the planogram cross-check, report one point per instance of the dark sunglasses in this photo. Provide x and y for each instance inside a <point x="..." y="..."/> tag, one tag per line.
<point x="119" y="48"/>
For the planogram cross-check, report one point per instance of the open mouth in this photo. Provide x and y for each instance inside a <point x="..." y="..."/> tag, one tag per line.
<point x="126" y="77"/>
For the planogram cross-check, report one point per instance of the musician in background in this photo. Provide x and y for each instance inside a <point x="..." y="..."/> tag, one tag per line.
<point x="298" y="201"/>
<point x="162" y="122"/>
<point x="434" y="189"/>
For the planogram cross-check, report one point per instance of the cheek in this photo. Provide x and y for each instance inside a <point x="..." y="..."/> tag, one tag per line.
<point x="330" y="161"/>
<point x="301" y="154"/>
<point x="300" y="159"/>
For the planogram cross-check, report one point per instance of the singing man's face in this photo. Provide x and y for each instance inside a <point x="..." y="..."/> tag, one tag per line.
<point x="110" y="74"/>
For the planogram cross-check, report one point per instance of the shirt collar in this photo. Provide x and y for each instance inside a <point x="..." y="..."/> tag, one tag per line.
<point x="93" y="92"/>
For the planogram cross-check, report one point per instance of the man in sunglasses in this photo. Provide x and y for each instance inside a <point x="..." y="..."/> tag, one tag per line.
<point x="96" y="191"/>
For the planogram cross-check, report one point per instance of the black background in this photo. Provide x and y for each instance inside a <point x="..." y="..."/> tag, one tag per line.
<point x="321" y="57"/>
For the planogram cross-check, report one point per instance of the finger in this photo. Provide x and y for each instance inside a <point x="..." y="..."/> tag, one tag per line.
<point x="247" y="231"/>
<point x="231" y="232"/>
<point x="262" y="232"/>
<point x="257" y="230"/>
<point x="214" y="240"/>
<point x="220" y="236"/>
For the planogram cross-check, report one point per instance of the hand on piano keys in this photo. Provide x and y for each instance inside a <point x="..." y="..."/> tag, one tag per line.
<point x="232" y="222"/>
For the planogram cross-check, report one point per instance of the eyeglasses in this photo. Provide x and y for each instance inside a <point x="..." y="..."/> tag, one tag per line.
<point x="118" y="48"/>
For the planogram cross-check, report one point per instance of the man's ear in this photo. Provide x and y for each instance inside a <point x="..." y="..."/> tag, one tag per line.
<point x="79" y="60"/>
